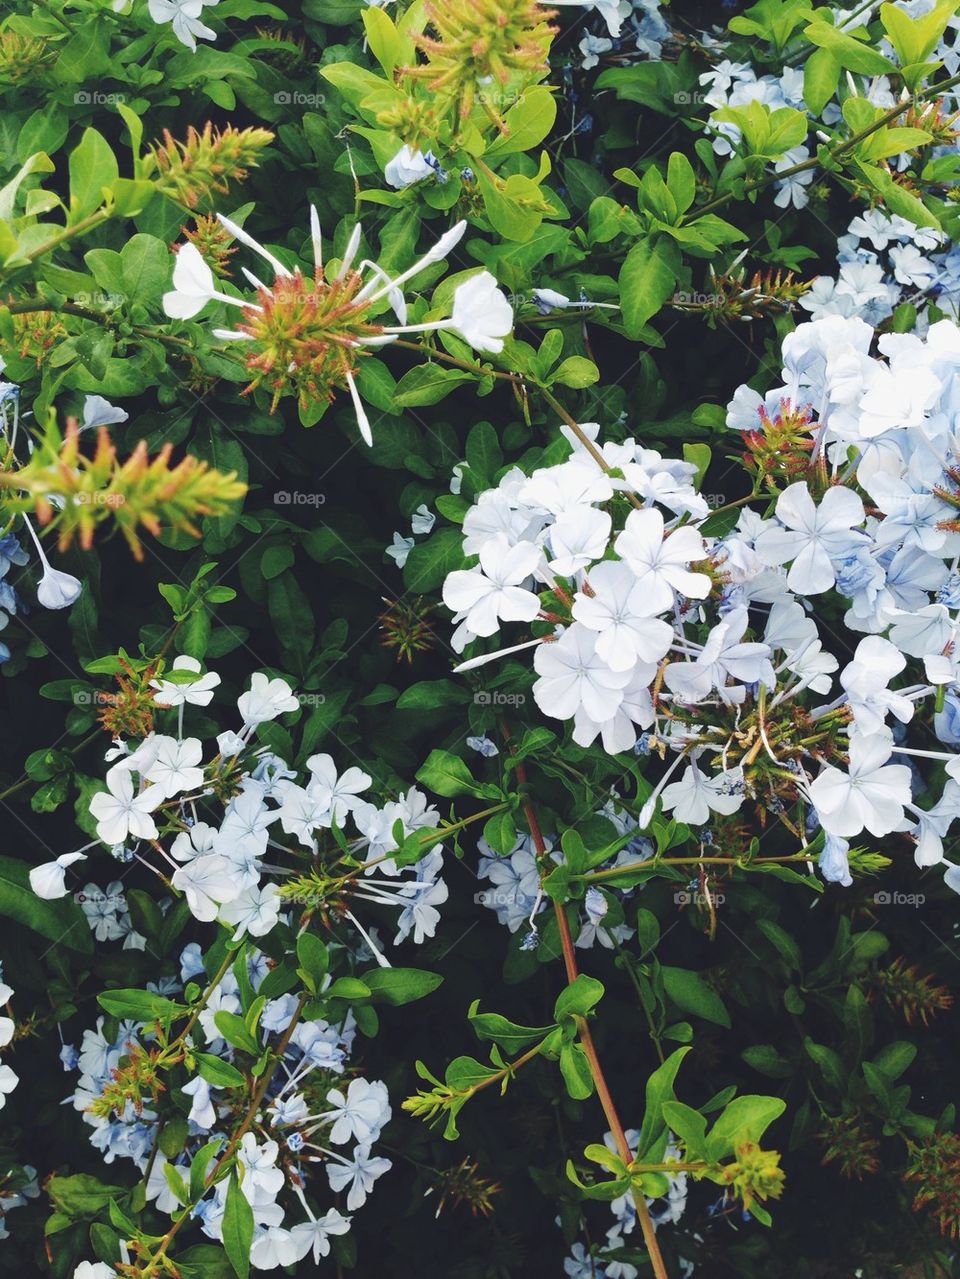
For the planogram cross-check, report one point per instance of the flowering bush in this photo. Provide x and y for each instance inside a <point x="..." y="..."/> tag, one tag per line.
<point x="495" y="798"/>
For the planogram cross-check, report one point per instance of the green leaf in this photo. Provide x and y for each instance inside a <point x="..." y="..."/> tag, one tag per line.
<point x="850" y="53"/>
<point x="429" y="563"/>
<point x="313" y="958"/>
<point x="396" y="986"/>
<point x="744" y="1119"/>
<point x="93" y="168"/>
<point x="576" y="371"/>
<point x="690" y="992"/>
<point x="500" y="1030"/>
<point x="895" y="1058"/>
<point x="647" y="279"/>
<point x="689" y="1125"/>
<point x="821" y="75"/>
<point x="583" y="994"/>
<point x="446" y="774"/>
<point x="139" y="1005"/>
<point x="81" y="1195"/>
<point x="59" y="921"/>
<point x="527" y="122"/>
<point x="681" y="180"/>
<point x="234" y="1030"/>
<point x="218" y="1072"/>
<point x="575" y="1069"/>
<point x="427" y="384"/>
<point x="659" y="1090"/>
<point x="237" y="1228"/>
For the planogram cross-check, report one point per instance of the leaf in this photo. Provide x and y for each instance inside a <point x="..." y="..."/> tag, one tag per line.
<point x="575" y="1069"/>
<point x="93" y="168"/>
<point x="427" y="384"/>
<point x="647" y="279"/>
<point x="237" y="1228"/>
<point x="446" y="774"/>
<point x="314" y="959"/>
<point x="396" y="986"/>
<point x="500" y="1030"/>
<point x="850" y="53"/>
<point x="139" y="1005"/>
<point x="583" y="994"/>
<point x="527" y="122"/>
<point x="690" y="992"/>
<point x="744" y="1119"/>
<point x="59" y="921"/>
<point x="895" y="1058"/>
<point x="576" y="371"/>
<point x="218" y="1072"/>
<point x="659" y="1090"/>
<point x="81" y="1195"/>
<point x="234" y="1030"/>
<point x="429" y="563"/>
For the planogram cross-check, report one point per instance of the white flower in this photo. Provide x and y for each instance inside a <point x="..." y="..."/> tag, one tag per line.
<point x="573" y="677"/>
<point x="50" y="880"/>
<point x="577" y="538"/>
<point x="360" y="1114"/>
<point x="202" y="1112"/>
<point x="875" y="663"/>
<point x="661" y="564"/>
<point x="272" y="1247"/>
<point x="337" y="794"/>
<point x="696" y="795"/>
<point x="618" y="608"/>
<point x="266" y="699"/>
<point x="185" y="17"/>
<point x="490" y="592"/>
<point x="121" y="813"/>
<point x="813" y="537"/>
<point x="481" y="313"/>
<point x="724" y="655"/>
<point x="207" y="882"/>
<point x="194" y="692"/>
<point x="359" y="1175"/>
<point x="57" y="589"/>
<point x="869" y="796"/>
<point x="193" y="286"/>
<point x="405" y="168"/>
<point x="94" y="1270"/>
<point x="255" y="911"/>
<point x="100" y="412"/>
<point x="313" y="1235"/>
<point x="8" y="1081"/>
<point x="174" y="768"/>
<point x="400" y="549"/>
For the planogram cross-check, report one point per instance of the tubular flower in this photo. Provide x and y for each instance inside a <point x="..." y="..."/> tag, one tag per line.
<point x="306" y="335"/>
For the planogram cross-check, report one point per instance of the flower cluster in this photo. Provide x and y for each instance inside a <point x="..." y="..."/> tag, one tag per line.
<point x="652" y="634"/>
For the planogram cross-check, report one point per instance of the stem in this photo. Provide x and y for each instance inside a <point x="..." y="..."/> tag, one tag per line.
<point x="158" y="1259"/>
<point x="586" y="1042"/>
<point x="593" y="876"/>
